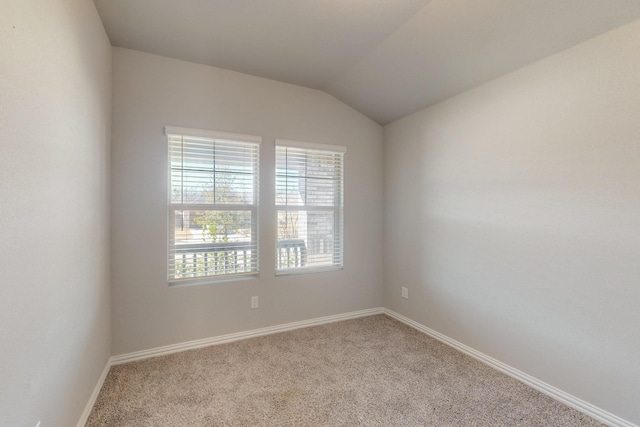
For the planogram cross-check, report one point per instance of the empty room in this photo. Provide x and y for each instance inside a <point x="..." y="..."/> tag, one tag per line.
<point x="319" y="213"/>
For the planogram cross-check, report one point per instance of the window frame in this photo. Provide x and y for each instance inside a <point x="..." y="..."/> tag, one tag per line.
<point x="337" y="208"/>
<point x="229" y="139"/>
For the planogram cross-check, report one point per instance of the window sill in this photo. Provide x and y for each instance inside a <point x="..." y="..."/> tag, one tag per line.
<point x="309" y="270"/>
<point x="210" y="280"/>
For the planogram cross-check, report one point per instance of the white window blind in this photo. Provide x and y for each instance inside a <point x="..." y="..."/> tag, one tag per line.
<point x="309" y="203"/>
<point x="213" y="205"/>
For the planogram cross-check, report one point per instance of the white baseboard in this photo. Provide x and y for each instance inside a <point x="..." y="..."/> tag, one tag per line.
<point x="94" y="395"/>
<point x="601" y="415"/>
<point x="221" y="339"/>
<point x="174" y="348"/>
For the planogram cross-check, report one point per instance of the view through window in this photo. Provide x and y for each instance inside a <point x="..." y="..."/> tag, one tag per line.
<point x="309" y="202"/>
<point x="213" y="204"/>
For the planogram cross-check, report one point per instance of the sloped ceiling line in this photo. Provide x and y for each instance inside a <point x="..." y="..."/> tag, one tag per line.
<point x="384" y="58"/>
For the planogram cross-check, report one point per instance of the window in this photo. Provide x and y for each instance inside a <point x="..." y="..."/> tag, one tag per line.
<point x="309" y="203"/>
<point x="213" y="205"/>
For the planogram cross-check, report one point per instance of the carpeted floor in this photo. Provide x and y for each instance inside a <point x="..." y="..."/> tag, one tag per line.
<point x="372" y="371"/>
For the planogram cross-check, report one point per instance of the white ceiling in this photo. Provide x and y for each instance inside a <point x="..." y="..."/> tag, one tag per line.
<point x="385" y="58"/>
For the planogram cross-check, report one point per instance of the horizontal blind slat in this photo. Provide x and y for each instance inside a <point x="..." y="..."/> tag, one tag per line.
<point x="309" y="199"/>
<point x="213" y="193"/>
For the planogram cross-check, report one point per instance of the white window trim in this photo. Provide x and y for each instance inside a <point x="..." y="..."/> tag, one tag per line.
<point x="172" y="208"/>
<point x="310" y="146"/>
<point x="202" y="133"/>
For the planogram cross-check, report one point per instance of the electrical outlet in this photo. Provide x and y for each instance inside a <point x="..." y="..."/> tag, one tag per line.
<point x="254" y="302"/>
<point x="405" y="293"/>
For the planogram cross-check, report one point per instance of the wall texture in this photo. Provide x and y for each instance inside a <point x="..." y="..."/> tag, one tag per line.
<point x="55" y="109"/>
<point x="151" y="92"/>
<point x="512" y="214"/>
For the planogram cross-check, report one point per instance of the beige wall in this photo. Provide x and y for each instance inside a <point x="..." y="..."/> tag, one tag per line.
<point x="511" y="214"/>
<point x="151" y="92"/>
<point x="55" y="95"/>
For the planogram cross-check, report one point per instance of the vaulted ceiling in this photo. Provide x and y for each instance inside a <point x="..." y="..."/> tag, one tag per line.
<point x="385" y="58"/>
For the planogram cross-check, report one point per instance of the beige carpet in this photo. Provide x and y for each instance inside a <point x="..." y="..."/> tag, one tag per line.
<point x="373" y="371"/>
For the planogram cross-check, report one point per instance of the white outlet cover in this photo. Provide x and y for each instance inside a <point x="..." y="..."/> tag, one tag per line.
<point x="405" y="292"/>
